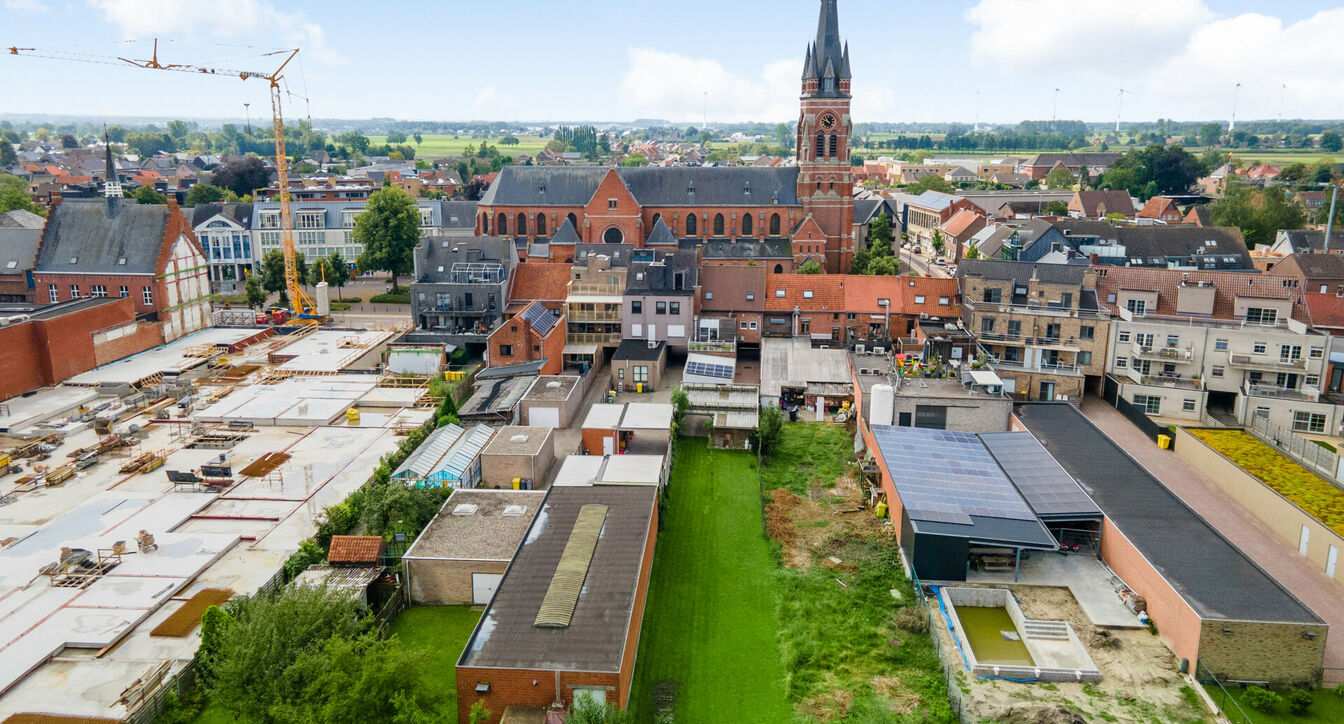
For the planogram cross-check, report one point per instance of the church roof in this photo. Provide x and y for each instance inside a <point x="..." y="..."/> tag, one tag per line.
<point x="650" y="185"/>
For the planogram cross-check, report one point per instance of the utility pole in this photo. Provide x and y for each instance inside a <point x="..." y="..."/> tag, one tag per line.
<point x="1233" y="123"/>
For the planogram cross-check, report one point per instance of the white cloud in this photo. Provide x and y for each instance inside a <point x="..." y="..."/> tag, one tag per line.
<point x="251" y="18"/>
<point x="1101" y="35"/>
<point x="661" y="84"/>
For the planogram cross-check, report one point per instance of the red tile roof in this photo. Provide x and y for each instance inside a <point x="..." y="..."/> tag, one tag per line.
<point x="1166" y="282"/>
<point x="962" y="221"/>
<point x="932" y="289"/>
<point x="809" y="292"/>
<point x="1326" y="310"/>
<point x="1156" y="206"/>
<point x="355" y="549"/>
<point x="544" y="282"/>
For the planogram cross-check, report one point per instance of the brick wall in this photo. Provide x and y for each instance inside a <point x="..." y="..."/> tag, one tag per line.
<point x="592" y="439"/>
<point x="632" y="631"/>
<point x="1177" y="623"/>
<point x="1281" y="653"/>
<point x="524" y="687"/>
<point x="502" y="469"/>
<point x="446" y="582"/>
<point x="44" y="352"/>
<point x="110" y="345"/>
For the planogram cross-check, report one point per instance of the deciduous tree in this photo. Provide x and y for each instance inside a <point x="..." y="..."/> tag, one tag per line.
<point x="204" y="194"/>
<point x="1059" y="178"/>
<point x="14" y="195"/>
<point x="810" y="267"/>
<point x="331" y="269"/>
<point x="242" y="175"/>
<point x="256" y="296"/>
<point x="389" y="229"/>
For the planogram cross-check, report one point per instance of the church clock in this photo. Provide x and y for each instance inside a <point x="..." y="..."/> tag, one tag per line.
<point x="828" y="121"/>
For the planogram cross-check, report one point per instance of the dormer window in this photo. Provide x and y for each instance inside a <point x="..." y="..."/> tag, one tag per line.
<point x="807" y="294"/>
<point x="121" y="261"/>
<point x="74" y="259"/>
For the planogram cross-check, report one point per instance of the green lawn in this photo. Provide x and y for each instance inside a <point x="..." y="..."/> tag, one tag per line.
<point x="1328" y="708"/>
<point x="710" y="624"/>
<point x="813" y="453"/>
<point x="439" y="146"/>
<point x="441" y="632"/>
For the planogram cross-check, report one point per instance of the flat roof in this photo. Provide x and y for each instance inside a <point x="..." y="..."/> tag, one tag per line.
<point x="485" y="535"/>
<point x="632" y="469"/>
<point x="794" y="363"/>
<point x="579" y="470"/>
<point x="1050" y="491"/>
<point x="647" y="416"/>
<point x="604" y="416"/>
<point x="552" y="388"/>
<point x="949" y="484"/>
<point x="1210" y="573"/>
<point x="166" y="358"/>
<point x="518" y="440"/>
<point x="328" y="350"/>
<point x="941" y="388"/>
<point x="595" y="639"/>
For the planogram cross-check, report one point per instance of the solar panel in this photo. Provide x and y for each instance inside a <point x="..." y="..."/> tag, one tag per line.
<point x="945" y="476"/>
<point x="541" y="318"/>
<point x="709" y="369"/>
<point x="1048" y="488"/>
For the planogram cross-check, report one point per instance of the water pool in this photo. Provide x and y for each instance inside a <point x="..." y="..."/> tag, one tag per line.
<point x="984" y="627"/>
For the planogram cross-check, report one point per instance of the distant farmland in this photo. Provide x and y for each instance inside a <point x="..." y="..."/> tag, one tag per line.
<point x="441" y="145"/>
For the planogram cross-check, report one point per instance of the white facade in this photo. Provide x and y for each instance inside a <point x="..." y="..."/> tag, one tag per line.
<point x="187" y="285"/>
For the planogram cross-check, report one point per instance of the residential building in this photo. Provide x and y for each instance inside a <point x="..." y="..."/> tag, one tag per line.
<point x="1040" y="165"/>
<point x="18" y="254"/>
<point x="732" y="305"/>
<point x="593" y="302"/>
<point x="1163" y="247"/>
<point x="534" y="338"/>
<point x="1101" y="203"/>
<point x="1039" y="325"/>
<point x="1227" y="345"/>
<point x="113" y="248"/>
<point x="929" y="211"/>
<point x="1307" y="241"/>
<point x="849" y="310"/>
<point x="959" y="229"/>
<point x="661" y="298"/>
<point x="1320" y="273"/>
<point x="325" y="227"/>
<point x="225" y="232"/>
<point x="461" y="286"/>
<point x="1161" y="208"/>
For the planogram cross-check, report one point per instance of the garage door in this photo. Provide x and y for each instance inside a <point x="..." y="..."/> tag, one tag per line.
<point x="544" y="417"/>
<point x="483" y="586"/>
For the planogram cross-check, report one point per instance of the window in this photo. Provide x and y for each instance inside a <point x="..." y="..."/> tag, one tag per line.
<point x="1188" y="405"/>
<point x="1143" y="366"/>
<point x="742" y="325"/>
<point x="718" y="224"/>
<point x="1173" y="340"/>
<point x="74" y="291"/>
<point x="1087" y="332"/>
<point x="520" y="226"/>
<point x="1122" y="337"/>
<point x="1066" y="300"/>
<point x="613" y="235"/>
<point x="1216" y="371"/>
<point x="919" y="299"/>
<point x="1014" y="328"/>
<point x="779" y="294"/>
<point x="637" y="307"/>
<point x="987" y="325"/>
<point x="1121" y="362"/>
<point x="1309" y="422"/>
<point x="774" y="225"/>
<point x="1151" y="404"/>
<point x="660" y="307"/>
<point x="931" y="417"/>
<point x="1311" y="381"/>
<point x="123" y="292"/>
<point x="1259" y="348"/>
<point x="1084" y="358"/>
<point x="506" y="350"/>
<point x="753" y="325"/>
<point x="992" y="296"/>
<point x="1316" y="352"/>
<point x="99" y="290"/>
<point x="851" y="316"/>
<point x="1136" y="306"/>
<point x="1257" y="315"/>
<point x="746" y="225"/>
<point x="807" y="294"/>
<point x="1220" y="345"/>
<point x="690" y="225"/>
<point x="636" y="330"/>
<point x="833" y="146"/>
<point x="147" y="295"/>
<point x="611" y="203"/>
<point x="53" y="294"/>
<point x="944" y="301"/>
<point x="1290" y="352"/>
<point x="640" y="373"/>
<point x="674" y="308"/>
<point x="751" y="296"/>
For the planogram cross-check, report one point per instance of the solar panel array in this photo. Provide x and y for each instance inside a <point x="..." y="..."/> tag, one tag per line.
<point x="541" y="318"/>
<point x="1048" y="488"/>
<point x="709" y="369"/>
<point x="944" y="476"/>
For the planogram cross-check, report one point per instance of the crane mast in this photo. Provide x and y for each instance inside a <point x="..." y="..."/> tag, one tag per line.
<point x="303" y="306"/>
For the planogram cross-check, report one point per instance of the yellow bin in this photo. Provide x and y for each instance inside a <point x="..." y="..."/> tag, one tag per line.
<point x="639" y="387"/>
<point x="1164" y="441"/>
<point x="881" y="509"/>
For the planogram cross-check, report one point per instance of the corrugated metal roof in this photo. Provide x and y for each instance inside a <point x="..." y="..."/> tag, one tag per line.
<point x="557" y="608"/>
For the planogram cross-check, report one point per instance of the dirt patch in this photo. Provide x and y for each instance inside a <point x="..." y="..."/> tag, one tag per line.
<point x="817" y="528"/>
<point x="1139" y="678"/>
<point x="831" y="706"/>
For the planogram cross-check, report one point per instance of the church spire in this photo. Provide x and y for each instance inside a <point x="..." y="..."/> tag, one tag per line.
<point x="111" y="187"/>
<point x="827" y="56"/>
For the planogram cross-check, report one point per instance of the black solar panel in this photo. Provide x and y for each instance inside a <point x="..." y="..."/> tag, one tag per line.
<point x="709" y="369"/>
<point x="946" y="476"/>
<point x="541" y="318"/>
<point x="1048" y="488"/>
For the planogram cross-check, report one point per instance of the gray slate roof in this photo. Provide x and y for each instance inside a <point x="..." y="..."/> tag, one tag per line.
<point x="651" y="186"/>
<point x="238" y="212"/>
<point x="18" y="247"/>
<point x="21" y="219"/>
<point x="82" y="230"/>
<point x="661" y="234"/>
<point x="1020" y="271"/>
<point x="566" y="234"/>
<point x="464" y="211"/>
<point x="660" y="277"/>
<point x="742" y="248"/>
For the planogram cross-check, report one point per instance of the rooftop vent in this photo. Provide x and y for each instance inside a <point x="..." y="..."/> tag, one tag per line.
<point x="74" y="259"/>
<point x="122" y="261"/>
<point x="515" y="511"/>
<point x="518" y="438"/>
<point x="465" y="509"/>
<point x="553" y="384"/>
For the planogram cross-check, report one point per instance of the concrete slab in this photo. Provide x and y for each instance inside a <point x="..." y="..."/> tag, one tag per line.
<point x="167" y="358"/>
<point x="1088" y="579"/>
<point x="325" y="350"/>
<point x="24" y="411"/>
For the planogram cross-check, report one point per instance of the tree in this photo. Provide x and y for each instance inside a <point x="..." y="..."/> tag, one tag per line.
<point x="273" y="272"/>
<point x="509" y="140"/>
<point x="69" y="141"/>
<point x="204" y="194"/>
<point x="879" y="233"/>
<point x="972" y="251"/>
<point x="1056" y="208"/>
<point x="937" y="241"/>
<point x="635" y="159"/>
<point x="418" y="138"/>
<point x="588" y="711"/>
<point x="1259" y="213"/>
<point x="365" y="678"/>
<point x="1330" y="141"/>
<point x="178" y="129"/>
<point x="256" y="296"/>
<point x="1059" y="178"/>
<point x="884" y="266"/>
<point x="680" y="404"/>
<point x="396" y="137"/>
<point x="784" y="135"/>
<point x="148" y="144"/>
<point x="242" y="175"/>
<point x="478" y="713"/>
<point x="147" y="195"/>
<point x="810" y="267"/>
<point x="1154" y="170"/>
<point x="394" y="508"/>
<point x="1210" y="134"/>
<point x="331" y="269"/>
<point x="8" y="157"/>
<point x="389" y="229"/>
<point x="769" y="434"/>
<point x="930" y="182"/>
<point x="14" y="195"/>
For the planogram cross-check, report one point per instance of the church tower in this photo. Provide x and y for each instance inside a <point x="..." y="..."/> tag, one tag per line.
<point x="825" y="178"/>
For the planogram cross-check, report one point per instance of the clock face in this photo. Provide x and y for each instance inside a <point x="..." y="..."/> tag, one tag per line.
<point x="828" y="121"/>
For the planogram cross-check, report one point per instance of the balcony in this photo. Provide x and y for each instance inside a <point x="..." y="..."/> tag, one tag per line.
<point x="1165" y="354"/>
<point x="1067" y="343"/>
<point x="593" y="315"/>
<point x="1001" y="338"/>
<point x="1305" y="394"/>
<point x="1162" y="380"/>
<point x="598" y="289"/>
<point x="459" y="311"/>
<point x="1263" y="362"/>
<point x="1043" y="368"/>
<point x="602" y="339"/>
<point x="1042" y="310"/>
<point x="727" y="346"/>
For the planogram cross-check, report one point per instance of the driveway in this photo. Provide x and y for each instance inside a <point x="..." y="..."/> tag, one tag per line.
<point x="1237" y="524"/>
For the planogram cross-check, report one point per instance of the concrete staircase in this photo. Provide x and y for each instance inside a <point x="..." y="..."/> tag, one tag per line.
<point x="1051" y="630"/>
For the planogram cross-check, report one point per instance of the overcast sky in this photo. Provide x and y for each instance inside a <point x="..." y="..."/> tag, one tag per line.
<point x="618" y="60"/>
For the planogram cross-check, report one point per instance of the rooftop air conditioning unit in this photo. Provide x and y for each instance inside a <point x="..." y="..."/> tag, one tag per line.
<point x="860" y="349"/>
<point x="879" y="350"/>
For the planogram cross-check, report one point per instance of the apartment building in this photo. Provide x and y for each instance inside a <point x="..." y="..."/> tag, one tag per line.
<point x="1039" y="325"/>
<point x="1226" y="345"/>
<point x="322" y="228"/>
<point x="660" y="300"/>
<point x="461" y="286"/>
<point x="225" y="233"/>
<point x="593" y="302"/>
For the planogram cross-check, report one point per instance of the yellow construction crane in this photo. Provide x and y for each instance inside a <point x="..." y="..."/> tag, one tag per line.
<point x="303" y="306"/>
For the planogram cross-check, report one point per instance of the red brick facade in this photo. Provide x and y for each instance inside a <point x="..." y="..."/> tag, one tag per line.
<point x="514" y="342"/>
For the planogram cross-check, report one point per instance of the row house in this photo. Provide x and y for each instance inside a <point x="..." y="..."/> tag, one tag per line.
<point x="462" y="286"/>
<point x="530" y="342"/>
<point x="661" y="299"/>
<point x="1040" y="165"/>
<point x="594" y="300"/>
<point x="1209" y="248"/>
<point x="1193" y="345"/>
<point x="1038" y="325"/>
<point x="927" y="212"/>
<point x="850" y="310"/>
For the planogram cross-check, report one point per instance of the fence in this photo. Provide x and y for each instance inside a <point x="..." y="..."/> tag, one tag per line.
<point x="153" y="705"/>
<point x="1141" y="420"/>
<point x="1224" y="699"/>
<point x="1312" y="456"/>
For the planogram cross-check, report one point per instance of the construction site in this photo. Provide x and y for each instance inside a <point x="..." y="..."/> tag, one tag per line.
<point x="139" y="493"/>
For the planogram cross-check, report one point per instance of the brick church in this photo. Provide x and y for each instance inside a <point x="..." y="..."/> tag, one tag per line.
<point x="806" y="210"/>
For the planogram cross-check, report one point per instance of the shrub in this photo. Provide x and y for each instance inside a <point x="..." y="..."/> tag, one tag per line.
<point x="1261" y="699"/>
<point x="390" y="298"/>
<point x="1299" y="701"/>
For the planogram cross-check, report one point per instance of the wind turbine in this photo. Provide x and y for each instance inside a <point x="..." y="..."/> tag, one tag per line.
<point x="1054" y="110"/>
<point x="1119" y="104"/>
<point x="1233" y="123"/>
<point x="977" y="111"/>
<point x="1283" y="91"/>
